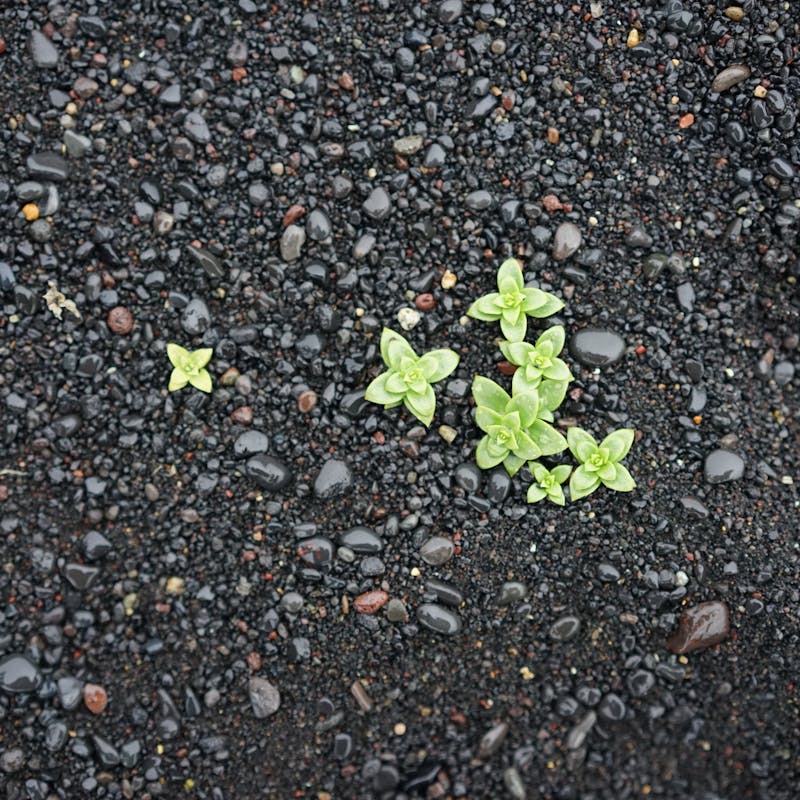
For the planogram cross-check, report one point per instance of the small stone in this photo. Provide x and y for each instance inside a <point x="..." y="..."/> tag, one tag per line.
<point x="334" y="479"/>
<point x="268" y="472"/>
<point x="306" y="401"/>
<point x="701" y="626"/>
<point x="95" y="698"/>
<point x="370" y="602"/>
<point x="492" y="740"/>
<point x="408" y="318"/>
<point x="292" y="241"/>
<point x="438" y="618"/>
<point x="722" y="465"/>
<point x="120" y="320"/>
<point x="567" y="240"/>
<point x="264" y="697"/>
<point x="30" y="211"/>
<point x="19" y="675"/>
<point x="596" y="347"/>
<point x="729" y="77"/>
<point x="378" y="205"/>
<point x="408" y="145"/>
<point x="437" y="551"/>
<point x="396" y="611"/>
<point x="565" y="628"/>
<point x="43" y="51"/>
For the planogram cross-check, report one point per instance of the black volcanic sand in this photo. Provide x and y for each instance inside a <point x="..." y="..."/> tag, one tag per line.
<point x="278" y="181"/>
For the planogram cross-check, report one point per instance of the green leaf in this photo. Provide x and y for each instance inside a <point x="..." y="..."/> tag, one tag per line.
<point x="177" y="379"/>
<point x="488" y="393"/>
<point x="550" y="441"/>
<point x="201" y="381"/>
<point x="438" y="364"/>
<point x="539" y="471"/>
<point x="623" y="482"/>
<point x="527" y="405"/>
<point x="555" y="337"/>
<point x="550" y="306"/>
<point x="512" y="463"/>
<point x="514" y="331"/>
<point x="526" y="448"/>
<point x="378" y="393"/>
<point x="556" y="495"/>
<point x="395" y="383"/>
<point x="607" y="472"/>
<point x="534" y="298"/>
<point x="178" y="355"/>
<point x="509" y="276"/>
<point x="551" y="394"/>
<point x="486" y="308"/>
<point x="512" y="420"/>
<point x="557" y="371"/>
<point x="422" y="405"/>
<point x="202" y="356"/>
<point x="518" y="352"/>
<point x="535" y="493"/>
<point x="396" y="351"/>
<point x="561" y="472"/>
<point x="483" y="458"/>
<point x="581" y="444"/>
<point x="485" y="417"/>
<point x="618" y="443"/>
<point x="582" y="483"/>
<point x="520" y="384"/>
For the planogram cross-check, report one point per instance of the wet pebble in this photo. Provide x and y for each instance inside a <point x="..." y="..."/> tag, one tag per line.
<point x="361" y="540"/>
<point x="334" y="479"/>
<point x="701" y="626"/>
<point x="265" y="699"/>
<point x="565" y="628"/>
<point x="268" y="472"/>
<point x="437" y="550"/>
<point x="43" y="51"/>
<point x="19" y="675"/>
<point x="438" y="618"/>
<point x="729" y="77"/>
<point x="723" y="465"/>
<point x="566" y="241"/>
<point x="370" y="602"/>
<point x="492" y="740"/>
<point x="596" y="347"/>
<point x="378" y="205"/>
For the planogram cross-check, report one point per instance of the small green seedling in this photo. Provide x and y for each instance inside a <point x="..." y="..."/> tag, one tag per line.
<point x="599" y="464"/>
<point x="409" y="377"/>
<point x="537" y="362"/>
<point x="547" y="483"/>
<point x="514" y="431"/>
<point x="189" y="367"/>
<point x="513" y="303"/>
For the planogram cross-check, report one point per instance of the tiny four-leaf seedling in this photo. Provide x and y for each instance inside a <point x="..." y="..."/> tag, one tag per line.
<point x="409" y="377"/>
<point x="189" y="367"/>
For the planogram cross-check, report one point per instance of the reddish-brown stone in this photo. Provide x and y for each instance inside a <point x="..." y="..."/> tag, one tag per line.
<point x="551" y="203"/>
<point x="306" y="401"/>
<point x="425" y="302"/>
<point x="703" y="625"/>
<point x="95" y="698"/>
<point x="293" y="213"/>
<point x="346" y="81"/>
<point x="506" y="367"/>
<point x="242" y="415"/>
<point x="120" y="320"/>
<point x="370" y="602"/>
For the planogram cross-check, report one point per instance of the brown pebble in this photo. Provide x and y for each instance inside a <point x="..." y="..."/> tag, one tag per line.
<point x="242" y="415"/>
<point x="552" y="135"/>
<point x="293" y="213"/>
<point x="551" y="203"/>
<point x="425" y="301"/>
<point x="306" y="401"/>
<point x="370" y="602"/>
<point x="120" y="320"/>
<point x="729" y="77"/>
<point x="346" y="81"/>
<point x="506" y="367"/>
<point x="703" y="625"/>
<point x="359" y="692"/>
<point x="95" y="698"/>
<point x="2" y="45"/>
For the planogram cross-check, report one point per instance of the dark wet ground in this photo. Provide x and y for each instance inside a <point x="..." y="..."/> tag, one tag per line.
<point x="187" y="611"/>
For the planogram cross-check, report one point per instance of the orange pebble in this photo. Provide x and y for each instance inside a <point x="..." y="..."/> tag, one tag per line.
<point x="31" y="211"/>
<point x="95" y="698"/>
<point x="686" y="120"/>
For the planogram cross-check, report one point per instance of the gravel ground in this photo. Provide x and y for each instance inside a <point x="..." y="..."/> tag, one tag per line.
<point x="279" y="590"/>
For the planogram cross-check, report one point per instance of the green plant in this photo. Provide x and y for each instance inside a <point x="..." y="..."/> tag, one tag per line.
<point x="599" y="463"/>
<point x="409" y="377"/>
<point x="547" y="483"/>
<point x="189" y="367"/>
<point x="538" y="362"/>
<point x="514" y="430"/>
<point x="513" y="303"/>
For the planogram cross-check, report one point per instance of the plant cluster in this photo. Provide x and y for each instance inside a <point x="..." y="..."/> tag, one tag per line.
<point x="518" y="426"/>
